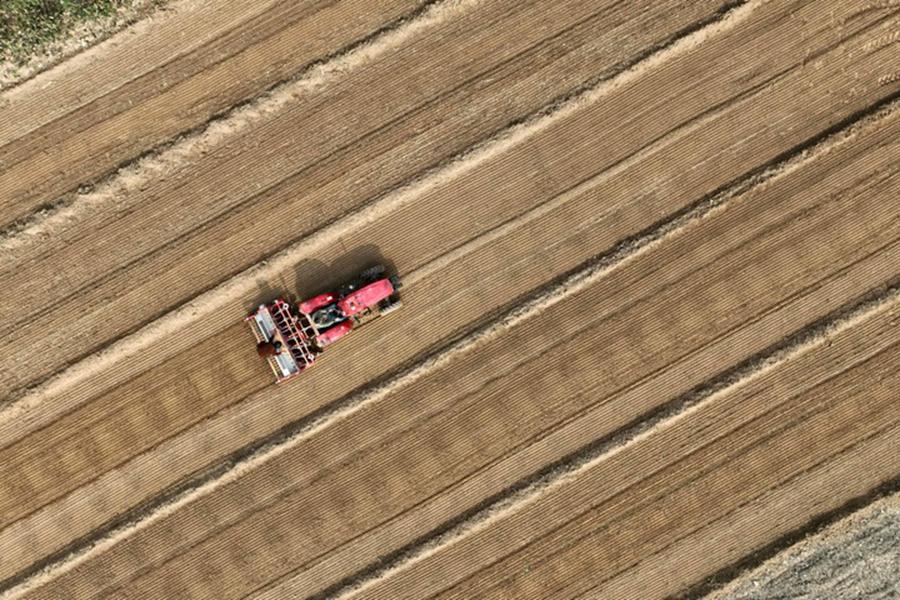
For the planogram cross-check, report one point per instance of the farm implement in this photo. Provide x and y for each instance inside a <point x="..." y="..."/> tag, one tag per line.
<point x="291" y="336"/>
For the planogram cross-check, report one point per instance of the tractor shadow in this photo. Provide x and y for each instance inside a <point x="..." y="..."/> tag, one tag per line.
<point x="313" y="277"/>
<point x="265" y="294"/>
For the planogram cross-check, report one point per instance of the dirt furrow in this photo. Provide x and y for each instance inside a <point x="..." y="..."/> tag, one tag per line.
<point x="781" y="512"/>
<point x="144" y="279"/>
<point x="360" y="365"/>
<point x="848" y="549"/>
<point x="734" y="275"/>
<point x="82" y="78"/>
<point x="581" y="428"/>
<point x="136" y="307"/>
<point x="491" y="214"/>
<point x="169" y="91"/>
<point x="713" y="134"/>
<point x="720" y="457"/>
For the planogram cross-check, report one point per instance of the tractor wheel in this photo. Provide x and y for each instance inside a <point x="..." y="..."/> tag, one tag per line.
<point x="388" y="306"/>
<point x="372" y="274"/>
<point x="395" y="281"/>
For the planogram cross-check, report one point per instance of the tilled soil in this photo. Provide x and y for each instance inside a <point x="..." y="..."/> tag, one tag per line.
<point x="650" y="259"/>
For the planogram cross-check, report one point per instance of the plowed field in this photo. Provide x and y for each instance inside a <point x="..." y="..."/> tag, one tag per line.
<point x="651" y="264"/>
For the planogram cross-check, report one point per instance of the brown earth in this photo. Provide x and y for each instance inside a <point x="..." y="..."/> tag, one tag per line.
<point x="165" y="79"/>
<point x="217" y="216"/>
<point x="650" y="252"/>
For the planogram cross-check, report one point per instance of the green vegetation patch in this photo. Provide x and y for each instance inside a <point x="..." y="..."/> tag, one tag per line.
<point x="29" y="26"/>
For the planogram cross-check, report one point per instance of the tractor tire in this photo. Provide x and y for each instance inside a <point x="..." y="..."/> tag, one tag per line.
<point x="395" y="281"/>
<point x="372" y="274"/>
<point x="389" y="306"/>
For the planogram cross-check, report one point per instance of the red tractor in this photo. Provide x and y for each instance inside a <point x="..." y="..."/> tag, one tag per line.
<point x="291" y="336"/>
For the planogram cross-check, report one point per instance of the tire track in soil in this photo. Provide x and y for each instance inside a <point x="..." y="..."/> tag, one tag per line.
<point x="33" y="233"/>
<point x="139" y="278"/>
<point x="82" y="78"/>
<point x="881" y="466"/>
<point x="183" y="94"/>
<point x="285" y="204"/>
<point x="17" y="416"/>
<point x="767" y="385"/>
<point x="81" y="419"/>
<point x="866" y="270"/>
<point x="569" y="436"/>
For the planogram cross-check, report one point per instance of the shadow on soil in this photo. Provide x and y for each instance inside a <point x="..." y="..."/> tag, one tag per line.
<point x="313" y="277"/>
